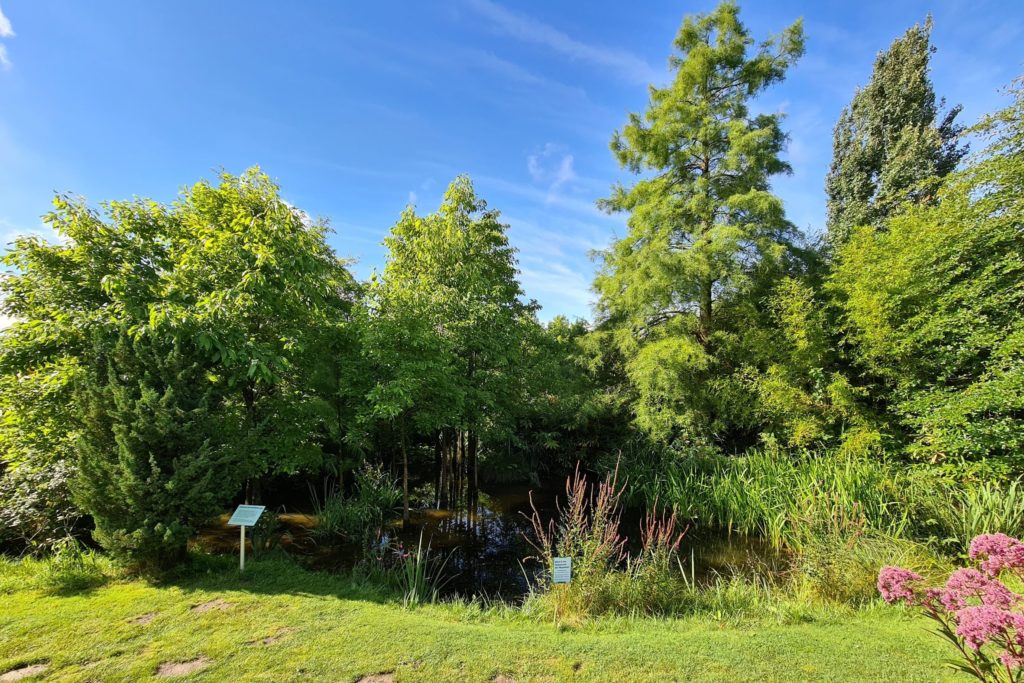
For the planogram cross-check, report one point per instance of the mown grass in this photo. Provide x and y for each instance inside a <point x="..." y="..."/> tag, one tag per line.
<point x="331" y="627"/>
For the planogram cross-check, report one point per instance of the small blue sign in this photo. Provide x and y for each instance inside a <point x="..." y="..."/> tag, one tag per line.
<point x="246" y="515"/>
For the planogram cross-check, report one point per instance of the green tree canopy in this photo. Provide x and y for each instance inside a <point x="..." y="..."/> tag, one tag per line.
<point x="932" y="305"/>
<point x="703" y="223"/>
<point x="447" y="323"/>
<point x="151" y="323"/>
<point x="890" y="144"/>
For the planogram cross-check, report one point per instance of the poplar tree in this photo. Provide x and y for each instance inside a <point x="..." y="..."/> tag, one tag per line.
<point x="703" y="222"/>
<point x="890" y="146"/>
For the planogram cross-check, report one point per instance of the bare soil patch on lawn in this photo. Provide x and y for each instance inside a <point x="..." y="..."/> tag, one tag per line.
<point x="219" y="603"/>
<point x="23" y="672"/>
<point x="378" y="678"/>
<point x="172" y="669"/>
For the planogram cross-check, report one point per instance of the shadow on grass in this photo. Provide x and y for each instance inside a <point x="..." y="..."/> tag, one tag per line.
<point x="275" y="573"/>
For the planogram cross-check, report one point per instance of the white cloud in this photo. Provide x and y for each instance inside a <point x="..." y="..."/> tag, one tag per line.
<point x="412" y="198"/>
<point x="552" y="166"/>
<point x="5" y="32"/>
<point x="628" y="65"/>
<point x="5" y="26"/>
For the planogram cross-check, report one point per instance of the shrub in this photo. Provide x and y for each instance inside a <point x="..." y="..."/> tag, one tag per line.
<point x="153" y="460"/>
<point x="975" y="611"/>
<point x="606" y="579"/>
<point x="36" y="510"/>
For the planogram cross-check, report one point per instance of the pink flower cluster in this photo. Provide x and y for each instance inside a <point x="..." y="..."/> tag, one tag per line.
<point x="982" y="624"/>
<point x="974" y="607"/>
<point x="967" y="585"/>
<point x="999" y="551"/>
<point x="896" y="584"/>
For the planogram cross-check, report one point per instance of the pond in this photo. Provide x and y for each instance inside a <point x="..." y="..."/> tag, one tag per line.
<point x="489" y="554"/>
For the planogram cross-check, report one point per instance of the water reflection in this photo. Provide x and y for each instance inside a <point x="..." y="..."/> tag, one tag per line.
<point x="487" y="549"/>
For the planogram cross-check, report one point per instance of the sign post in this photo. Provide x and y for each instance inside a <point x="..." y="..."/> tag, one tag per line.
<point x="561" y="573"/>
<point x="245" y="515"/>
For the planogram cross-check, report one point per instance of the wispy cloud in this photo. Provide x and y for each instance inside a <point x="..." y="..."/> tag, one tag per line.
<point x="5" y="32"/>
<point x="552" y="166"/>
<point x="626" y="64"/>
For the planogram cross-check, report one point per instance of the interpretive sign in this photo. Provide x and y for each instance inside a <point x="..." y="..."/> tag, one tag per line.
<point x="245" y="515"/>
<point x="562" y="571"/>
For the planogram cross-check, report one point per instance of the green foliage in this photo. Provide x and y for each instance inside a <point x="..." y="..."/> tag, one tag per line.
<point x="37" y="512"/>
<point x="153" y="460"/>
<point x="889" y="148"/>
<point x="704" y="228"/>
<point x="67" y="568"/>
<point x="962" y="511"/>
<point x="782" y="498"/>
<point x="361" y="516"/>
<point x="168" y="354"/>
<point x="803" y="398"/>
<point x="842" y="565"/>
<point x="932" y="306"/>
<point x="606" y="579"/>
<point x="446" y="329"/>
<point x="420" y="575"/>
<point x="256" y="286"/>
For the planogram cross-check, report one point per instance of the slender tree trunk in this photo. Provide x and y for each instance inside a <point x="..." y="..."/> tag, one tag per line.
<point x="457" y="498"/>
<point x="705" y="321"/>
<point x="253" y="485"/>
<point x="474" y="480"/>
<point x="405" y="479"/>
<point x="438" y="471"/>
<point x="449" y="470"/>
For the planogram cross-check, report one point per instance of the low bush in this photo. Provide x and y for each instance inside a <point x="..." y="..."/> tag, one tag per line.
<point x="980" y="611"/>
<point x="606" y="578"/>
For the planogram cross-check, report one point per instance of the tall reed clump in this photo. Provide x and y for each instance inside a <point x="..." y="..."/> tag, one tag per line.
<point x="606" y="579"/>
<point x="358" y="517"/>
<point x="841" y="517"/>
<point x="962" y="511"/>
<point x="420" y="575"/>
<point x="775" y="495"/>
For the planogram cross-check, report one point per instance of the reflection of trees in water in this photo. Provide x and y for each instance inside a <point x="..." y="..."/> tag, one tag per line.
<point x="485" y="547"/>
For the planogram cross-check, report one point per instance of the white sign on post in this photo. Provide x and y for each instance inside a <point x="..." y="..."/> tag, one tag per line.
<point x="562" y="571"/>
<point x="245" y="515"/>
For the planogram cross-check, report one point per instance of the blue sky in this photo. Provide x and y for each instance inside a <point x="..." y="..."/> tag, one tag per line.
<point x="359" y="108"/>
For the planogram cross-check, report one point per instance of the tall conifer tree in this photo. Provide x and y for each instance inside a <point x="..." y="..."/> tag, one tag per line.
<point x="703" y="222"/>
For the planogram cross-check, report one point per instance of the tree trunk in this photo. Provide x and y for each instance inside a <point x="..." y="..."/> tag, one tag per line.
<point x="438" y="471"/>
<point x="474" y="480"/>
<point x="704" y="319"/>
<point x="405" y="479"/>
<point x="253" y="488"/>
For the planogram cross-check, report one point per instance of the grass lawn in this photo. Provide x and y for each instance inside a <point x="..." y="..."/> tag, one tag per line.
<point x="281" y="623"/>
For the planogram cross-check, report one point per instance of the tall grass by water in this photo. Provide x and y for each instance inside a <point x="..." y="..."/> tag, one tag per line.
<point x="794" y="500"/>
